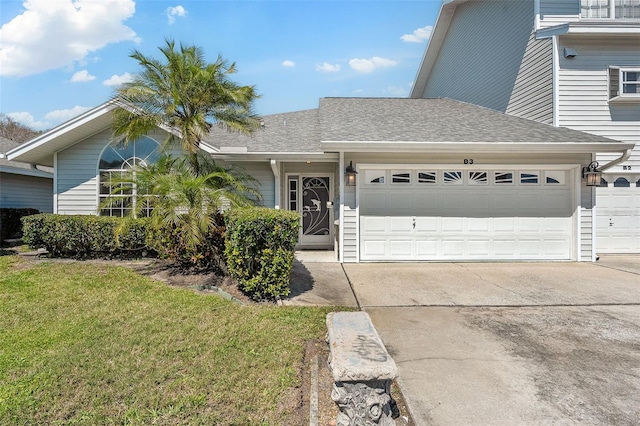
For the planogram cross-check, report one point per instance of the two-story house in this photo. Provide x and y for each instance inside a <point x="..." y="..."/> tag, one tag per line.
<point x="566" y="63"/>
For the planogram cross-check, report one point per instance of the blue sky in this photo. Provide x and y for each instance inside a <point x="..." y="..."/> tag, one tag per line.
<point x="59" y="58"/>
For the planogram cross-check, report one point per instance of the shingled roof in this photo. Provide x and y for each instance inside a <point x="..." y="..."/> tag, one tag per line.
<point x="17" y="167"/>
<point x="389" y="120"/>
<point x="294" y="132"/>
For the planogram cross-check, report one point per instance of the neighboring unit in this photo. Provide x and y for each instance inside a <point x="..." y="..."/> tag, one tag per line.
<point x="377" y="179"/>
<point x="567" y="63"/>
<point x="23" y="185"/>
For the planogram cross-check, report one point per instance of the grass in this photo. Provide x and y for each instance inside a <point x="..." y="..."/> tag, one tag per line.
<point x="88" y="344"/>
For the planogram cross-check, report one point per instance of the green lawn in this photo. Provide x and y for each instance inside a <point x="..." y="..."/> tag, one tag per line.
<point x="88" y="344"/>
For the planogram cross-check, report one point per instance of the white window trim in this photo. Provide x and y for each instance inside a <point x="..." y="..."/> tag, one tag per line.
<point x="621" y="96"/>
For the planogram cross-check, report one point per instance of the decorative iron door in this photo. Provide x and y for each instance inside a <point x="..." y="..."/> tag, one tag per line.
<point x="316" y="220"/>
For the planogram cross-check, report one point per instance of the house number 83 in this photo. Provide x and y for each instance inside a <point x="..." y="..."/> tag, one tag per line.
<point x="468" y="161"/>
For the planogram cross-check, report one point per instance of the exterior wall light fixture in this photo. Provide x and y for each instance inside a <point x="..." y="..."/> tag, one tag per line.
<point x="592" y="174"/>
<point x="350" y="174"/>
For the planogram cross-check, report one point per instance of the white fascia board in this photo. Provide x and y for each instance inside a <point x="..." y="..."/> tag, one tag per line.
<point x="443" y="21"/>
<point x="65" y="127"/>
<point x="279" y="156"/>
<point x="580" y="28"/>
<point x="25" y="172"/>
<point x="476" y="147"/>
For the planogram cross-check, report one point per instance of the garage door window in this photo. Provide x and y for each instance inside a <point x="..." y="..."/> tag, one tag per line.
<point x="603" y="182"/>
<point x="452" y="178"/>
<point x="531" y="178"/>
<point x="374" y="176"/>
<point x="401" y="177"/>
<point x="478" y="178"/>
<point x="621" y="183"/>
<point x="555" y="177"/>
<point x="638" y="184"/>
<point x="503" y="178"/>
<point x="427" y="177"/>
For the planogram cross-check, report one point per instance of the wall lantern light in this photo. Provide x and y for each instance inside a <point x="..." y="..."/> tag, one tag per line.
<point x="350" y="173"/>
<point x="592" y="174"/>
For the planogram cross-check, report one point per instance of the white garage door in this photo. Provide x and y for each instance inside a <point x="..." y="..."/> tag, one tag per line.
<point x="450" y="214"/>
<point x="618" y="216"/>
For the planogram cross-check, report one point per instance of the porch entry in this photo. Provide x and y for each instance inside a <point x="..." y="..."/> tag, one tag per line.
<point x="311" y="195"/>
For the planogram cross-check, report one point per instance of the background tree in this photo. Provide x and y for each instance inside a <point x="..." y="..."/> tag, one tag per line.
<point x="183" y="92"/>
<point x="15" y="131"/>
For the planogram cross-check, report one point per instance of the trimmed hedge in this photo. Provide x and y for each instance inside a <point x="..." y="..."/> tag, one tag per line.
<point x="81" y="235"/>
<point x="10" y="225"/>
<point x="169" y="243"/>
<point x="259" y="249"/>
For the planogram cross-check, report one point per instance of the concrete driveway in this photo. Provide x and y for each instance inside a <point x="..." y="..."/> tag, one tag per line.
<point x="510" y="343"/>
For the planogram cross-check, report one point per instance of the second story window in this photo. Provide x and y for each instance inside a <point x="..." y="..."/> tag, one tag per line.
<point x="624" y="83"/>
<point x="610" y="9"/>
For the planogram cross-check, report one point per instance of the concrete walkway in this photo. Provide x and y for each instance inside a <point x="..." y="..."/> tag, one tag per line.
<point x="501" y="343"/>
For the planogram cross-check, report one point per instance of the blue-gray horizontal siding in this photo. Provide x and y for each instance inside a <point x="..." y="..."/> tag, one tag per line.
<point x="77" y="173"/>
<point x="559" y="7"/>
<point x="261" y="171"/>
<point x="19" y="191"/>
<point x="584" y="93"/>
<point x="479" y="65"/>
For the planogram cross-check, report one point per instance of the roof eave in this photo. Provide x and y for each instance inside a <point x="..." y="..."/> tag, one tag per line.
<point x="315" y="156"/>
<point x="476" y="147"/>
<point x="31" y="152"/>
<point x="445" y="16"/>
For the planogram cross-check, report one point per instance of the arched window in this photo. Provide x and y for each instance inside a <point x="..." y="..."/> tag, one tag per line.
<point x="621" y="183"/>
<point x="603" y="182"/>
<point x="116" y="160"/>
<point x="638" y="184"/>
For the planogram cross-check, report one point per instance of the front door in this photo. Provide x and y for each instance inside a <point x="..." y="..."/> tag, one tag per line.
<point x="314" y="194"/>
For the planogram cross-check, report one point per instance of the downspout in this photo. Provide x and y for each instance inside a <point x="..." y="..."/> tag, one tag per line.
<point x="625" y="156"/>
<point x="275" y="168"/>
<point x="555" y="64"/>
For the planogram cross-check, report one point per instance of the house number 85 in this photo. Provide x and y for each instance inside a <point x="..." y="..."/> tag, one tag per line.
<point x="468" y="161"/>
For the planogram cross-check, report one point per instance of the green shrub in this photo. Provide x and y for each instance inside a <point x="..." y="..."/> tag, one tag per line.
<point x="82" y="235"/>
<point x="259" y="250"/>
<point x="169" y="242"/>
<point x="10" y="225"/>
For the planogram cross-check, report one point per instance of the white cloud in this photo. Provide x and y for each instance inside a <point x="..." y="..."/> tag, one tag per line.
<point x="82" y="76"/>
<point x="369" y="65"/>
<point x="117" y="80"/>
<point x="395" y="91"/>
<point x="27" y="119"/>
<point x="172" y="12"/>
<point x="61" y="115"/>
<point x="288" y="63"/>
<point x="326" y="67"/>
<point x="54" y="34"/>
<point x="419" y="35"/>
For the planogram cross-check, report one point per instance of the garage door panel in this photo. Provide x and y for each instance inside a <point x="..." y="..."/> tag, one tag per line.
<point x="504" y="224"/>
<point x="452" y="224"/>
<point x="466" y="221"/>
<point x="479" y="248"/>
<point x="453" y="248"/>
<point x="618" y="218"/>
<point x="371" y="224"/>
<point x="374" y="249"/>
<point x="426" y="249"/>
<point x="400" y="224"/>
<point x="529" y="224"/>
<point x="400" y="248"/>
<point x="426" y="224"/>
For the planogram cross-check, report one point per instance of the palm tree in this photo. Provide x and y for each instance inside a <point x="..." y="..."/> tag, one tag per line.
<point x="183" y="206"/>
<point x="183" y="93"/>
